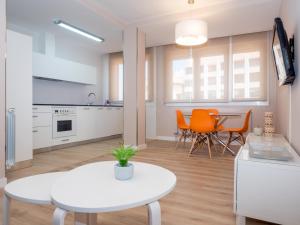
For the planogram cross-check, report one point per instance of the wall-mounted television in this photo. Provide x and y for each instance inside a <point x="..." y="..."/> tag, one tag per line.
<point x="283" y="51"/>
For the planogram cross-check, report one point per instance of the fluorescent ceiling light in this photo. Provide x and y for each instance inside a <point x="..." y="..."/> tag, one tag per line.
<point x="78" y="30"/>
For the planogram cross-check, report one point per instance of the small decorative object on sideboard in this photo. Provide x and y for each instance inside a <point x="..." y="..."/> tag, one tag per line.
<point x="258" y="131"/>
<point x="269" y="128"/>
<point x="123" y="169"/>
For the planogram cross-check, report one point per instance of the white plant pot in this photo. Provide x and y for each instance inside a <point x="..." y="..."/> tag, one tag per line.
<point x="124" y="173"/>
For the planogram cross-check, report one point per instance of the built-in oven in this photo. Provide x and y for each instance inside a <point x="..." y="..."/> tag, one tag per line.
<point x="64" y="122"/>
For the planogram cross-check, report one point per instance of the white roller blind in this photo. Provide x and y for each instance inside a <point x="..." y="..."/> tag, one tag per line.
<point x="249" y="67"/>
<point x="116" y="76"/>
<point x="222" y="70"/>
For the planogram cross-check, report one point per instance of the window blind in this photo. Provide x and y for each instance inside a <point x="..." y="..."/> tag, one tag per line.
<point x="249" y="66"/>
<point x="116" y="76"/>
<point x="223" y="69"/>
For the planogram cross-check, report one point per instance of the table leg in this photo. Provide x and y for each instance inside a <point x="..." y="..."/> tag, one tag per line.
<point x="154" y="215"/>
<point x="222" y="143"/>
<point x="240" y="220"/>
<point x="85" y="218"/>
<point x="59" y="216"/>
<point x="6" y="209"/>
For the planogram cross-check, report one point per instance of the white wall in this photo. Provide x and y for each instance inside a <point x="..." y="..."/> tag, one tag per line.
<point x="288" y="106"/>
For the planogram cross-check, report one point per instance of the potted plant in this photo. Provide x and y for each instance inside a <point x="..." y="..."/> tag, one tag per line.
<point x="123" y="169"/>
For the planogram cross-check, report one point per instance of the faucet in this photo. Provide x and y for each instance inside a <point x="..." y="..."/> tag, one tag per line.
<point x="90" y="102"/>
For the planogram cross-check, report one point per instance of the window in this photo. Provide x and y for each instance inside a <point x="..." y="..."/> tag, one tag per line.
<point x="222" y="70"/>
<point x="116" y="76"/>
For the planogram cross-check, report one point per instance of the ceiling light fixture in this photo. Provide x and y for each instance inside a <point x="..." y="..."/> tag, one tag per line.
<point x="78" y="30"/>
<point x="191" y="32"/>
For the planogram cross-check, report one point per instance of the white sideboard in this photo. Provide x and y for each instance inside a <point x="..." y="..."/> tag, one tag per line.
<point x="267" y="190"/>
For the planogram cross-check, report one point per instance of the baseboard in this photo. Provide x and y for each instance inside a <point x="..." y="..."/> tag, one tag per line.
<point x="165" y="138"/>
<point x="142" y="146"/>
<point x="73" y="144"/>
<point x="3" y="182"/>
<point x="173" y="138"/>
<point x="21" y="165"/>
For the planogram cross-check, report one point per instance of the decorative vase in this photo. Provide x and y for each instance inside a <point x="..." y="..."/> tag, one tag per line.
<point x="124" y="172"/>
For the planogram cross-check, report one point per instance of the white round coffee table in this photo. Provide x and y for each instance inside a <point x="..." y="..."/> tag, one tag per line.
<point x="92" y="189"/>
<point x="33" y="189"/>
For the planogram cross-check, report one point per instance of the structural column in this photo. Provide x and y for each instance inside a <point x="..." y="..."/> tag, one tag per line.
<point x="134" y="87"/>
<point x="2" y="90"/>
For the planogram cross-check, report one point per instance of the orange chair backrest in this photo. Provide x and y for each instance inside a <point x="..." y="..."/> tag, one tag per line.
<point x="180" y="120"/>
<point x="201" y="121"/>
<point x="246" y="122"/>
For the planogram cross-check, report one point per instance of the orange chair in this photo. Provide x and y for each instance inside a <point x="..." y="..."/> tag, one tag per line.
<point x="183" y="127"/>
<point x="238" y="131"/>
<point x="202" y="125"/>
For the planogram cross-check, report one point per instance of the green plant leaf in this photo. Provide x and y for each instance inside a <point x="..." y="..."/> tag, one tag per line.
<point x="123" y="154"/>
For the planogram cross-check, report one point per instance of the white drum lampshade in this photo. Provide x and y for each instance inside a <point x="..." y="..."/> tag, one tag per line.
<point x="191" y="32"/>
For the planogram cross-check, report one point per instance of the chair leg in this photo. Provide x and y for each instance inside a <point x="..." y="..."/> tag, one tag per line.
<point x="193" y="145"/>
<point x="228" y="143"/>
<point x="179" y="140"/>
<point x="208" y="144"/>
<point x="242" y="138"/>
<point x="184" y="137"/>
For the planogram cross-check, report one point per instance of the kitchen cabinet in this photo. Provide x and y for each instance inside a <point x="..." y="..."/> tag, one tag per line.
<point x="19" y="95"/>
<point x="97" y="122"/>
<point x="51" y="67"/>
<point x="42" y="137"/>
<point x="42" y="127"/>
<point x="92" y="123"/>
<point x="86" y="127"/>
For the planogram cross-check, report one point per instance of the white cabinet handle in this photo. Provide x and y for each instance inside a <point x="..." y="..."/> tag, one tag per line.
<point x="86" y="108"/>
<point x="35" y="131"/>
<point x="35" y="108"/>
<point x="35" y="116"/>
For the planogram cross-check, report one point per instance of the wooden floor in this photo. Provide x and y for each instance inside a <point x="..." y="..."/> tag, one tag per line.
<point x="203" y="195"/>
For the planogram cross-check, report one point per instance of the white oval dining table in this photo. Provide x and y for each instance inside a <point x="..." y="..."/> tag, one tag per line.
<point x="92" y="189"/>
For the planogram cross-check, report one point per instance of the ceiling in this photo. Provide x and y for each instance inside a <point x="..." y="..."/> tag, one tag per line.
<point x="157" y="18"/>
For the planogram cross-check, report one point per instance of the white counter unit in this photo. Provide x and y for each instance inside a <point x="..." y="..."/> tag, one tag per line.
<point x="267" y="189"/>
<point x="92" y="122"/>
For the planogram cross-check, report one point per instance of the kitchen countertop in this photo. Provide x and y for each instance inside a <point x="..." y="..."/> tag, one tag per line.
<point x="86" y="105"/>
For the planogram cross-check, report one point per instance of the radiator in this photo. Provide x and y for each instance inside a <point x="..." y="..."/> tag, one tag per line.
<point x="10" y="138"/>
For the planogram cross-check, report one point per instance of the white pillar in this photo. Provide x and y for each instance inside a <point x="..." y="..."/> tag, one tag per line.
<point x="2" y="90"/>
<point x="134" y="87"/>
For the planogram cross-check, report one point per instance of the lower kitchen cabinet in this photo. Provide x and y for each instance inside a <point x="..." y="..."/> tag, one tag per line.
<point x="97" y="122"/>
<point x="42" y="137"/>
<point x="64" y="140"/>
<point x="91" y="123"/>
<point x="86" y="119"/>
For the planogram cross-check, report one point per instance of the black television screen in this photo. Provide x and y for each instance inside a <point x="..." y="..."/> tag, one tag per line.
<point x="282" y="51"/>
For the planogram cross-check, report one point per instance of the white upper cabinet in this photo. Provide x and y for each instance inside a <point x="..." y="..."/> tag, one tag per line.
<point x="51" y="67"/>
